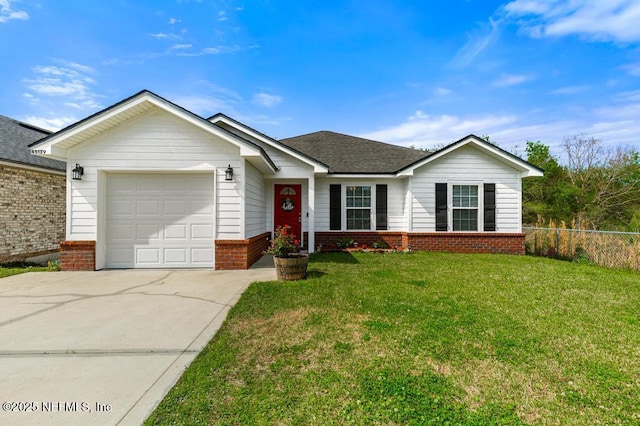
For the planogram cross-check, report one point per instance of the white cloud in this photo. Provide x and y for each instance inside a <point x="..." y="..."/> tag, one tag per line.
<point x="616" y="124"/>
<point x="7" y="13"/>
<point x="65" y="85"/>
<point x="478" y="40"/>
<point x="173" y="21"/>
<point x="52" y="123"/>
<point x="215" y="50"/>
<point x="600" y="20"/>
<point x="509" y="80"/>
<point x="425" y="130"/>
<point x="181" y="46"/>
<point x="266" y="99"/>
<point x="52" y="80"/>
<point x="569" y="90"/>
<point x="632" y="69"/>
<point x="204" y="105"/>
<point x="442" y="91"/>
<point x="222" y="16"/>
<point x="167" y="36"/>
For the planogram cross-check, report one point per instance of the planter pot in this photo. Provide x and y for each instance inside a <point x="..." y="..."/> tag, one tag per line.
<point x="291" y="268"/>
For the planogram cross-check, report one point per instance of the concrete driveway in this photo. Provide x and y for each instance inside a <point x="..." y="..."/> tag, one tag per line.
<point x="105" y="347"/>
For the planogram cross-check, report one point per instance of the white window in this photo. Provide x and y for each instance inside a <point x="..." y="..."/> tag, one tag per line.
<point x="465" y="207"/>
<point x="358" y="207"/>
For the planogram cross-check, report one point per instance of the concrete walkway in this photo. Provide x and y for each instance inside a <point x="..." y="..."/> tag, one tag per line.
<point x="105" y="347"/>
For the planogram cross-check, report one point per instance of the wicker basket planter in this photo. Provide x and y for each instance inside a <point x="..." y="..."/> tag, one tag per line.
<point x="292" y="267"/>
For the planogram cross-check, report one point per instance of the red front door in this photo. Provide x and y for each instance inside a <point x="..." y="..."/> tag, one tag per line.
<point x="288" y="208"/>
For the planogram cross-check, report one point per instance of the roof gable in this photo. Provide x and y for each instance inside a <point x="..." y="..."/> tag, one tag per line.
<point x="346" y="154"/>
<point x="15" y="137"/>
<point x="526" y="169"/>
<point x="56" y="144"/>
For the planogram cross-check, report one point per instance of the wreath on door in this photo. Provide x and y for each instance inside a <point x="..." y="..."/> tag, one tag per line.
<point x="288" y="204"/>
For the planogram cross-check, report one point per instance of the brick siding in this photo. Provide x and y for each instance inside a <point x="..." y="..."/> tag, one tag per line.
<point x="78" y="255"/>
<point x="240" y="254"/>
<point x="390" y="238"/>
<point x="456" y="242"/>
<point x="467" y="242"/>
<point x="32" y="212"/>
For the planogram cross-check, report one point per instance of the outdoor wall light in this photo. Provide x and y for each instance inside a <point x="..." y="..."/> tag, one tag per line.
<point x="228" y="174"/>
<point x="77" y="172"/>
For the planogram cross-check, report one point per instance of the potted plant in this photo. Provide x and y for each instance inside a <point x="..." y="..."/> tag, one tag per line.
<point x="289" y="263"/>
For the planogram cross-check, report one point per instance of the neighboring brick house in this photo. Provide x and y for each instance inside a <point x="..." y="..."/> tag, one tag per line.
<point x="32" y="195"/>
<point x="156" y="186"/>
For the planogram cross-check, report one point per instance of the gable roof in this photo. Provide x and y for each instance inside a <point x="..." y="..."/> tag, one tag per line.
<point x="15" y="137"/>
<point x="346" y="154"/>
<point x="526" y="169"/>
<point x="56" y="143"/>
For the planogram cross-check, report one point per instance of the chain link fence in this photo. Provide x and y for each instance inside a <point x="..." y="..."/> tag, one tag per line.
<point x="603" y="248"/>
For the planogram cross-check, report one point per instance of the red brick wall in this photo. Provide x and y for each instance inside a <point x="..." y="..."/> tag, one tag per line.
<point x="390" y="238"/>
<point x="457" y="242"/>
<point x="78" y="255"/>
<point x="240" y="254"/>
<point x="472" y="242"/>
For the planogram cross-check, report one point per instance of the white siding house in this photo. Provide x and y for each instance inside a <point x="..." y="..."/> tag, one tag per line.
<point x="152" y="185"/>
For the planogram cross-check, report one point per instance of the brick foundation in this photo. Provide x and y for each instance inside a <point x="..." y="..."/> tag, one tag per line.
<point x="390" y="238"/>
<point x="78" y="255"/>
<point x="455" y="242"/>
<point x="471" y="242"/>
<point x="240" y="254"/>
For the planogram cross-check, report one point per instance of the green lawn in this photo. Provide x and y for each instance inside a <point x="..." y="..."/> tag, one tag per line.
<point x="423" y="338"/>
<point x="15" y="270"/>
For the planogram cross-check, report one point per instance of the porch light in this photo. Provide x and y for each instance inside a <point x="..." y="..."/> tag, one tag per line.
<point x="228" y="174"/>
<point x="77" y="172"/>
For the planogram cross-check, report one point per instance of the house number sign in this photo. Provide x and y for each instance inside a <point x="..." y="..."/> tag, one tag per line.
<point x="287" y="204"/>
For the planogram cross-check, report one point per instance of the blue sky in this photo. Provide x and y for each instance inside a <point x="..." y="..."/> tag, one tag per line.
<point x="420" y="73"/>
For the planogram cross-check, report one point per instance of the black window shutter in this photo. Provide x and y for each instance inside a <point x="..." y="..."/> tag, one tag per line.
<point x="381" y="207"/>
<point x="335" y="210"/>
<point x="489" y="206"/>
<point x="441" y="207"/>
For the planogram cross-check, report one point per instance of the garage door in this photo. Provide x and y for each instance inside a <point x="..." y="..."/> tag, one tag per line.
<point x="160" y="220"/>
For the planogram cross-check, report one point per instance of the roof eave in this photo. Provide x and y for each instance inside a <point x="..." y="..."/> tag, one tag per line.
<point x="318" y="167"/>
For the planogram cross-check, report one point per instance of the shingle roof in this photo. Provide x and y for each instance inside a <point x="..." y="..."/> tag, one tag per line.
<point x="353" y="155"/>
<point x="15" y="138"/>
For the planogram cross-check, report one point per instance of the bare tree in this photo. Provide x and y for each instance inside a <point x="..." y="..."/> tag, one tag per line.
<point x="607" y="180"/>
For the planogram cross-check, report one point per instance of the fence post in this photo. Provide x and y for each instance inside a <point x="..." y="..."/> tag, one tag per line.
<point x="557" y="243"/>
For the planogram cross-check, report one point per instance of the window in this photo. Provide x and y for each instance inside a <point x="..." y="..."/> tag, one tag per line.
<point x="465" y="208"/>
<point x="358" y="207"/>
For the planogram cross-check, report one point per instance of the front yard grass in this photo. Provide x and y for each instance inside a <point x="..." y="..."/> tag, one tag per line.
<point x="423" y="338"/>
<point x="15" y="269"/>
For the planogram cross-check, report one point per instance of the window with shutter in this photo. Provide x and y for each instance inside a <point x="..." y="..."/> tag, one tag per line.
<point x="358" y="207"/>
<point x="465" y="207"/>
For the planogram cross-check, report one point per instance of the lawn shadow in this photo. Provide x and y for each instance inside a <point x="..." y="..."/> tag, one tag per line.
<point x="340" y="257"/>
<point x="315" y="274"/>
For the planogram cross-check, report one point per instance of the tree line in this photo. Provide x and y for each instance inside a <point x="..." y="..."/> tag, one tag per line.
<point x="594" y="187"/>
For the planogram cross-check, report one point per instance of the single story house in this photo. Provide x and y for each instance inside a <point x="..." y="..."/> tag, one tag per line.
<point x="32" y="195"/>
<point x="152" y="185"/>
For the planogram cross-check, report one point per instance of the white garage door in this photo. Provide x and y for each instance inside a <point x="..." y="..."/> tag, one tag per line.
<point x="160" y="220"/>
